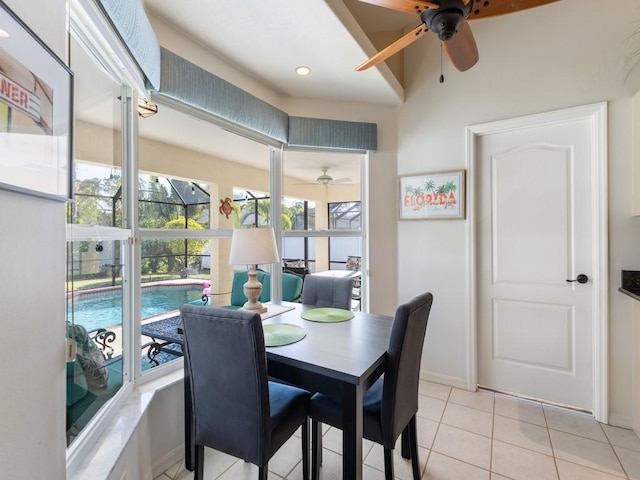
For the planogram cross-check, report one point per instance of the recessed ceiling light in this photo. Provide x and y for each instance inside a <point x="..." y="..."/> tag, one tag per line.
<point x="4" y="34"/>
<point x="303" y="71"/>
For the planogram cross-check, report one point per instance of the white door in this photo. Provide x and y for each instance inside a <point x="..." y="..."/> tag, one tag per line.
<point x="536" y="225"/>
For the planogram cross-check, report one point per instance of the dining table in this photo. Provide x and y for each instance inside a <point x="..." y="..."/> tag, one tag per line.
<point x="338" y="358"/>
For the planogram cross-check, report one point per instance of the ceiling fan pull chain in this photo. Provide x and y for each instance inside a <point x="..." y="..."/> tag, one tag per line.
<point x="441" y="74"/>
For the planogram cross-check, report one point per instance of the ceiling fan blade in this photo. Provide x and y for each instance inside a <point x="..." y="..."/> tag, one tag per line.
<point x="502" y="7"/>
<point x="409" y="6"/>
<point x="394" y="48"/>
<point x="462" y="48"/>
<point x="338" y="181"/>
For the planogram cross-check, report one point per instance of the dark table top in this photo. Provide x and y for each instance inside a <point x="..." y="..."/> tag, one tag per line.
<point x="344" y="350"/>
<point x="347" y="351"/>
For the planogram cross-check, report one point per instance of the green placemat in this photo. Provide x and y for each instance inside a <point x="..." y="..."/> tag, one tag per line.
<point x="278" y="334"/>
<point x="327" y="315"/>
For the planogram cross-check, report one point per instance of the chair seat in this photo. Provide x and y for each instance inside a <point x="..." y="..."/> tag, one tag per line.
<point x="288" y="409"/>
<point x="327" y="409"/>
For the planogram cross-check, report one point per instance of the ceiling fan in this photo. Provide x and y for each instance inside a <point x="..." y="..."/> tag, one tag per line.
<point x="448" y="19"/>
<point x="326" y="180"/>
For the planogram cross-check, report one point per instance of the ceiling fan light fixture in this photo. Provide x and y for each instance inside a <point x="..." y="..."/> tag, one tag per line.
<point x="446" y="20"/>
<point x="303" y="70"/>
<point x="446" y="24"/>
<point x="324" y="179"/>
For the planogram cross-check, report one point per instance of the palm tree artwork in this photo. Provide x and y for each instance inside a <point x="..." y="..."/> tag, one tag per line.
<point x="435" y="193"/>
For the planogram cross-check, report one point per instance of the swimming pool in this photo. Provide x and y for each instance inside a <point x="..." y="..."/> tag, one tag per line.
<point x="103" y="309"/>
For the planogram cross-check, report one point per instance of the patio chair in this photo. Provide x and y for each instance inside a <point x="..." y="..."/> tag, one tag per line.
<point x="291" y="288"/>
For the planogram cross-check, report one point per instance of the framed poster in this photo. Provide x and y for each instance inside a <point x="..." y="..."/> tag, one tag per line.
<point x="430" y="196"/>
<point x="35" y="113"/>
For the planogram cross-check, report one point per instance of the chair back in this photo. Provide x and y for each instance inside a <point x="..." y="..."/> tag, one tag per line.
<point x="324" y="291"/>
<point x="402" y="372"/>
<point x="225" y="355"/>
<point x="291" y="287"/>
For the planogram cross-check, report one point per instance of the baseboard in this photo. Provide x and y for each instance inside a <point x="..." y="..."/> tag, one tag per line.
<point x="448" y="380"/>
<point x="167" y="461"/>
<point x="619" y="420"/>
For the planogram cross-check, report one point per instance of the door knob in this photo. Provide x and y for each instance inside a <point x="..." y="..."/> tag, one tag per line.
<point x="582" y="278"/>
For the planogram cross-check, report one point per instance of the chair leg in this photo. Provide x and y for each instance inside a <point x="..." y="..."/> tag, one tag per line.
<point x="263" y="472"/>
<point x="413" y="441"/>
<point x="198" y="468"/>
<point x="316" y="449"/>
<point x="388" y="464"/>
<point x="405" y="441"/>
<point x="305" y="449"/>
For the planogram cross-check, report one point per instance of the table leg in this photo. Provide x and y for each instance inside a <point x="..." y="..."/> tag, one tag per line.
<point x="352" y="432"/>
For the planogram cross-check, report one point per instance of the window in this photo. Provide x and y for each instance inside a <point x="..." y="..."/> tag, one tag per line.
<point x="148" y="231"/>
<point x="334" y="230"/>
<point x="251" y="208"/>
<point x="96" y="247"/>
<point x="185" y="235"/>
<point x="344" y="216"/>
<point x="164" y="202"/>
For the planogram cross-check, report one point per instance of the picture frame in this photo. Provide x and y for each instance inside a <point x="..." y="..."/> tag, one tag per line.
<point x="433" y="196"/>
<point x="36" y="108"/>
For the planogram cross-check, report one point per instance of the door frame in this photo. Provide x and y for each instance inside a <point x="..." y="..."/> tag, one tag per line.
<point x="597" y="115"/>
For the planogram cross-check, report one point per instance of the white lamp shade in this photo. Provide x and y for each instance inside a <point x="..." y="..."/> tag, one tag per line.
<point x="253" y="246"/>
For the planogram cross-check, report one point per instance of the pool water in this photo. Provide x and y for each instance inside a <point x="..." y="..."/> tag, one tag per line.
<point x="104" y="309"/>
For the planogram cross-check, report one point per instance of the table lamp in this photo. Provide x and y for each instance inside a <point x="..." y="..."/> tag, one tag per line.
<point x="253" y="246"/>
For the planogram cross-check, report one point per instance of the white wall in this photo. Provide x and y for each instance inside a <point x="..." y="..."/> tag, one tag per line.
<point x="32" y="253"/>
<point x="560" y="55"/>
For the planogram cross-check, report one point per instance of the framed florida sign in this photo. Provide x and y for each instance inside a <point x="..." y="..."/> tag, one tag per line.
<point x="431" y="196"/>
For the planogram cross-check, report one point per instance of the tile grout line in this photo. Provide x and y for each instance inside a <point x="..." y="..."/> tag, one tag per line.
<point x="624" y="470"/>
<point x="433" y="441"/>
<point x="553" y="450"/>
<point x="493" y="428"/>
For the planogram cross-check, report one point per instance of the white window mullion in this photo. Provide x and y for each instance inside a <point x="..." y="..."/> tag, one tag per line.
<point x="131" y="273"/>
<point x="95" y="32"/>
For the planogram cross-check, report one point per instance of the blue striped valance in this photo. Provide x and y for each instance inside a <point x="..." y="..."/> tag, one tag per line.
<point x="131" y="22"/>
<point x="188" y="84"/>
<point x="333" y="134"/>
<point x="185" y="86"/>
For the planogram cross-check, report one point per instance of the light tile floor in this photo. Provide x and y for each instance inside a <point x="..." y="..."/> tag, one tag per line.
<point x="468" y="436"/>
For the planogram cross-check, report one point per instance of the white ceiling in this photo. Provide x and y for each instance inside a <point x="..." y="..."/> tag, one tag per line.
<point x="267" y="40"/>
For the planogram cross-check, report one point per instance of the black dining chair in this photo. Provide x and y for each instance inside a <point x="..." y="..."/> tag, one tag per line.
<point x="236" y="409"/>
<point x="323" y="291"/>
<point x="391" y="403"/>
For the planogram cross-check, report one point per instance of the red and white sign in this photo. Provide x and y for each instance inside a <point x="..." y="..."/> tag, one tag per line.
<point x="16" y="96"/>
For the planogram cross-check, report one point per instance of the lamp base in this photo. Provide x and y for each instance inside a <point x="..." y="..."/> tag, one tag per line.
<point x="254" y="307"/>
<point x="252" y="290"/>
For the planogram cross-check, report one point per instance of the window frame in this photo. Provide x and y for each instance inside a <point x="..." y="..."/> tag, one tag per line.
<point x="93" y="31"/>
